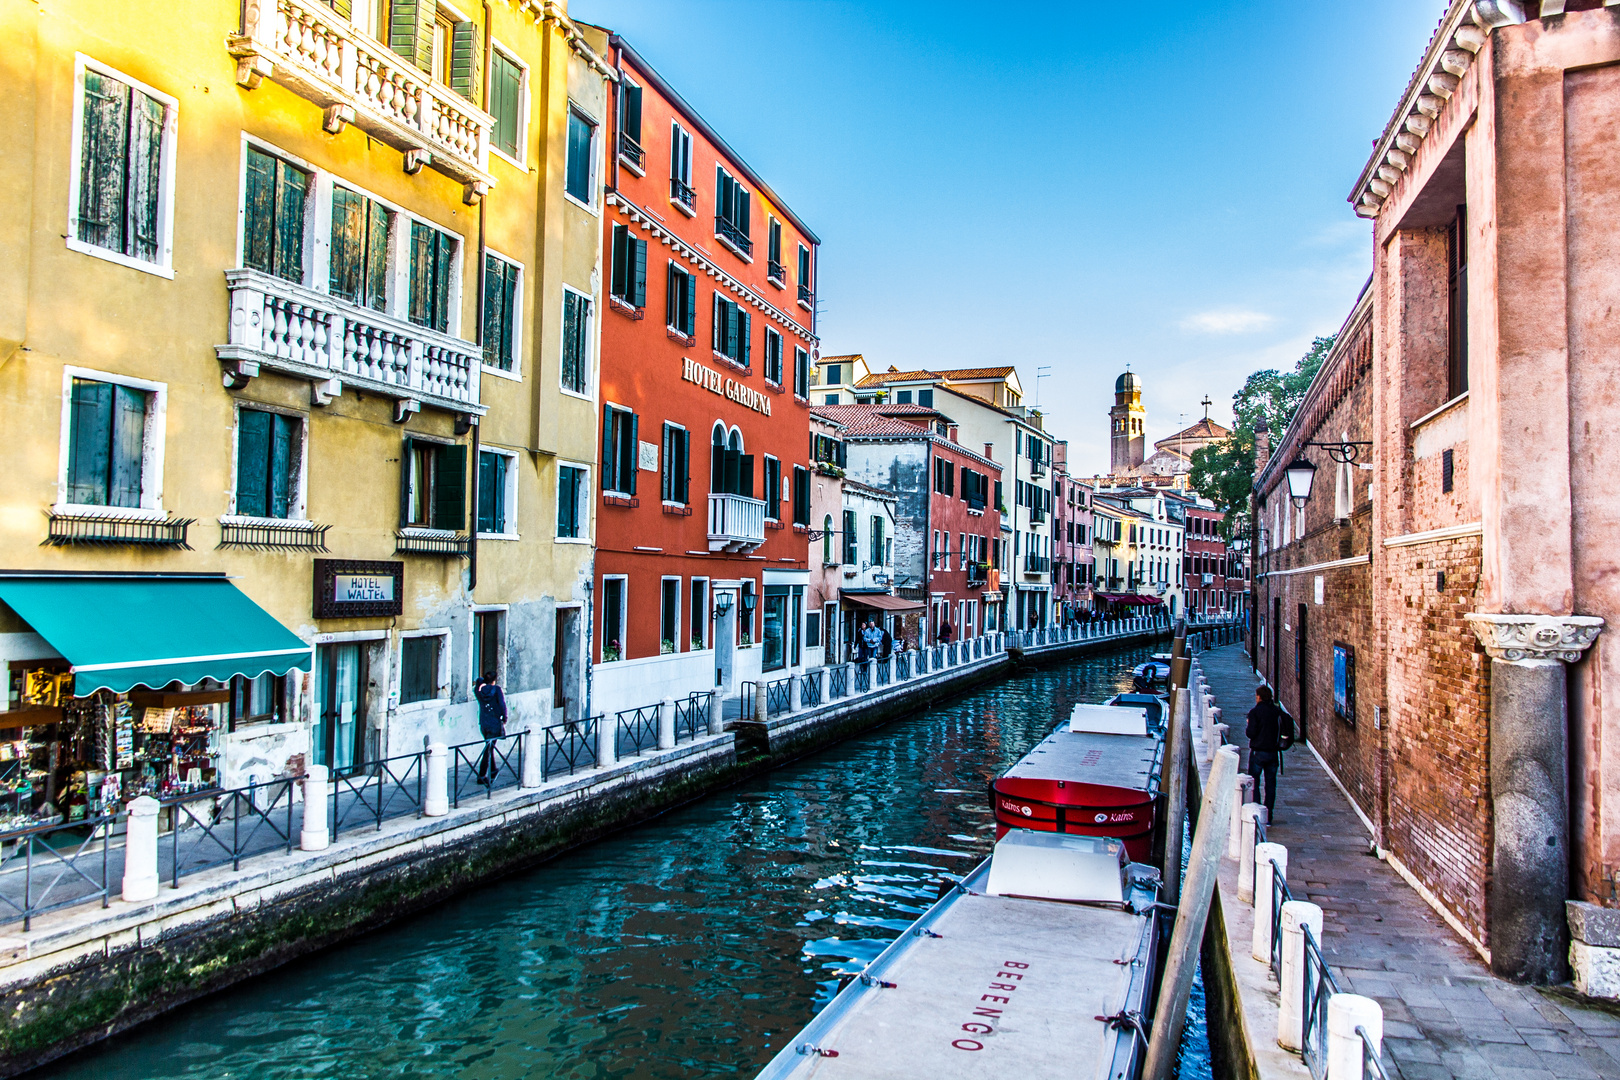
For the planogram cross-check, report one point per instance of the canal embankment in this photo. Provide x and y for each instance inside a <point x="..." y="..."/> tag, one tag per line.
<point x="83" y="972"/>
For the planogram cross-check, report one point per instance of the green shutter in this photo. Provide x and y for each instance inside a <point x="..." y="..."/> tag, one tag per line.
<point x="490" y="331"/>
<point x="638" y="274"/>
<point x="567" y="501"/>
<point x="618" y="274"/>
<point x="291" y="186"/>
<point x="506" y="103"/>
<point x="252" y="463"/>
<point x="103" y="159"/>
<point x="410" y="30"/>
<point x="348" y="243"/>
<point x="609" y="450"/>
<point x="281" y="466"/>
<point x="89" y="442"/>
<point x="376" y="256"/>
<point x="745" y="334"/>
<point x="632" y="110"/>
<point x="450" y="493"/>
<point x="745" y="475"/>
<point x="744" y="212"/>
<point x="259" y="214"/>
<point x="487" y="517"/>
<point x="465" y="61"/>
<point x="406" y="464"/>
<point x="690" y="329"/>
<point x="129" y="436"/>
<point x="443" y="254"/>
<point x="420" y="308"/>
<point x="145" y="176"/>
<point x="509" y="317"/>
<point x="632" y="452"/>
<point x="577" y="180"/>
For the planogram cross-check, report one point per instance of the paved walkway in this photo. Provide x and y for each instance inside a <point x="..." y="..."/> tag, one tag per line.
<point x="1446" y="1017"/>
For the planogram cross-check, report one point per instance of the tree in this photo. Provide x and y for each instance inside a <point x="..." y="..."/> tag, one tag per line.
<point x="1224" y="472"/>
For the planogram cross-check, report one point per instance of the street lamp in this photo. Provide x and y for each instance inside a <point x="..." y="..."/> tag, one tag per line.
<point x="1300" y="474"/>
<point x="748" y="602"/>
<point x="722" y="603"/>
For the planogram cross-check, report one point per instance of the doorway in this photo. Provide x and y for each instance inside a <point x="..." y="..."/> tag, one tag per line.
<point x="725" y="640"/>
<point x="340" y="704"/>
<point x="565" y="666"/>
<point x="1276" y="638"/>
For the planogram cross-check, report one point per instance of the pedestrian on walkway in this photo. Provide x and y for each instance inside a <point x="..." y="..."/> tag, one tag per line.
<point x="885" y="645"/>
<point x="491" y="723"/>
<point x="1270" y="732"/>
<point x="945" y="632"/>
<point x="871" y="638"/>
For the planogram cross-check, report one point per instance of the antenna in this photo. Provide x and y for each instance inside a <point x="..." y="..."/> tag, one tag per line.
<point x="1042" y="372"/>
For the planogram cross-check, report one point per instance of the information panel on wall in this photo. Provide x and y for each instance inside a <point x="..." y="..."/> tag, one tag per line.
<point x="354" y="588"/>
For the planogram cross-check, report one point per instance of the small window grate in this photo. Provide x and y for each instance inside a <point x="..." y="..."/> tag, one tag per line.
<point x="263" y="536"/>
<point x="113" y="530"/>
<point x="1446" y="474"/>
<point x="412" y="543"/>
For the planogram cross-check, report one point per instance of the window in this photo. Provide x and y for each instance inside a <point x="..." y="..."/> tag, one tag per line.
<point x="572" y="491"/>
<point x="773" y="488"/>
<point x="773" y="356"/>
<point x="700" y="612"/>
<point x="805" y="289"/>
<point x="827" y="534"/>
<point x="733" y="328"/>
<point x="812" y="630"/>
<point x="877" y="540"/>
<point x="507" y="85"/>
<point x="273" y="216"/>
<point x="925" y="398"/>
<point x="613" y="595"/>
<point x="124" y="170"/>
<point x="620" y="444"/>
<point x="832" y="399"/>
<point x="435" y="495"/>
<point x="732" y="212"/>
<point x="488" y="637"/>
<point x="1447" y="472"/>
<point x="731" y="472"/>
<point x="495" y="478"/>
<point x="801" y="496"/>
<point x="267" y="459"/>
<point x="256" y="700"/>
<point x="1457" y="284"/>
<point x="419" y="668"/>
<point x="944" y="477"/>
<point x="677" y="473"/>
<point x="851" y="550"/>
<point x="835" y="374"/>
<point x="680" y="302"/>
<point x="773" y="266"/>
<point x="628" y="281"/>
<point x="669" y="615"/>
<point x="801" y="373"/>
<point x="680" y="168"/>
<point x="106" y="444"/>
<point x="630" y="124"/>
<point x="576" y="343"/>
<point x="581" y="155"/>
<point x="777" y="628"/>
<point x="433" y="256"/>
<point x="359" y="270"/>
<point x="501" y="312"/>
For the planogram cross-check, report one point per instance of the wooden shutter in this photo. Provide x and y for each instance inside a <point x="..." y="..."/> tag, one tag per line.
<point x="410" y="30"/>
<point x="420" y="309"/>
<point x="291" y="187"/>
<point x="406" y="464"/>
<point x="610" y="472"/>
<point x="145" y="176"/>
<point x="720" y="191"/>
<point x="745" y="475"/>
<point x="486" y="492"/>
<point x="666" y="480"/>
<point x="690" y="328"/>
<point x="578" y="167"/>
<point x="743" y="211"/>
<point x="375" y="279"/>
<point x="252" y="458"/>
<point x="671" y="300"/>
<point x="281" y="465"/>
<point x="506" y="102"/>
<point x="619" y="276"/>
<point x="465" y="60"/>
<point x="631" y="121"/>
<point x="129" y="437"/>
<point x="444" y="250"/>
<point x="491" y="331"/>
<point x="632" y="451"/>
<point x="773" y="488"/>
<point x="450" y="488"/>
<point x="103" y="157"/>
<point x="683" y="475"/>
<point x="638" y="274"/>
<point x="348" y="242"/>
<point x="745" y="335"/>
<point x="259" y="214"/>
<point x="719" y="324"/>
<point x="90" y="442"/>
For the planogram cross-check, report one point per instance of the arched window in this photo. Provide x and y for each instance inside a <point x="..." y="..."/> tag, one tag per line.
<point x="826" y="541"/>
<point x="731" y="472"/>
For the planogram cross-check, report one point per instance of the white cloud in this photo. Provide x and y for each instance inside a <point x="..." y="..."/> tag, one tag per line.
<point x="1226" y="321"/>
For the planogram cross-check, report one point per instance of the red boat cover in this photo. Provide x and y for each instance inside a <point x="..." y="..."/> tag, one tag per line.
<point x="1084" y="783"/>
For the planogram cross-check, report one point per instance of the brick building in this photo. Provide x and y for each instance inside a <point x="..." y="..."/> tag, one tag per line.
<point x="1073" y="558"/>
<point x="1206" y="568"/>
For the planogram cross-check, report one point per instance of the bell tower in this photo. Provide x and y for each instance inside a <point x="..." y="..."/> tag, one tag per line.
<point x="1127" y="422"/>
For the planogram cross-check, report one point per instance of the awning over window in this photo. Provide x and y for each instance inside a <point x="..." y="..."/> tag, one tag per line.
<point x="883" y="601"/>
<point x="151" y="630"/>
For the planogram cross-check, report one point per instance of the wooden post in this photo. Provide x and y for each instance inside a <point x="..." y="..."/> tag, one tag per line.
<point x="1177" y="761"/>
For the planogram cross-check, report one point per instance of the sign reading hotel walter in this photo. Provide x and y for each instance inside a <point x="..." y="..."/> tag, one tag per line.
<point x="352" y="588"/>
<point x="716" y="383"/>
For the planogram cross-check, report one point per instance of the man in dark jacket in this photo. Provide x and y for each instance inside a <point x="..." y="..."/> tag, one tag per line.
<point x="1270" y="732"/>
<point x="491" y="723"/>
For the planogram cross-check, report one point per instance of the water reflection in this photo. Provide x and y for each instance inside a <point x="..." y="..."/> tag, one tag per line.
<point x="690" y="946"/>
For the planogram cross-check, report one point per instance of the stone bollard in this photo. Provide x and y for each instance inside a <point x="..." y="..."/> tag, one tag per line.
<point x="761" y="713"/>
<point x="1245" y="796"/>
<point x="1250" y="814"/>
<point x="1269" y="859"/>
<point x="436" y="786"/>
<point x="666" y="725"/>
<point x="314" y="836"/>
<point x="534" y="757"/>
<point x="1296" y="915"/>
<point x="1345" y="1013"/>
<point x="607" y="741"/>
<point x="140" y="850"/>
<point x="1218" y="737"/>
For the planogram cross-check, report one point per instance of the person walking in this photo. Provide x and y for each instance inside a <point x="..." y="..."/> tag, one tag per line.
<point x="491" y="723"/>
<point x="945" y="632"/>
<point x="871" y="638"/>
<point x="1270" y="732"/>
<point x="885" y="646"/>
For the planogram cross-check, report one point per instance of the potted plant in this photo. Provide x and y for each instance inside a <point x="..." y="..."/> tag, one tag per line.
<point x="666" y="647"/>
<point x="610" y="652"/>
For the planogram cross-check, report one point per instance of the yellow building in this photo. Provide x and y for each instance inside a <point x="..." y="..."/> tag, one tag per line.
<point x="302" y="293"/>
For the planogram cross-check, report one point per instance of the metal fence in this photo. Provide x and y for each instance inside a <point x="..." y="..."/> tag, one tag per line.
<point x="902" y="665"/>
<point x="486" y="763"/>
<point x="810" y="688"/>
<point x="837" y="682"/>
<point x="568" y="746"/>
<point x="212" y="828"/>
<point x="637" y="729"/>
<point x="884" y="671"/>
<point x="1319" y="986"/>
<point x="52" y="866"/>
<point x="863" y="677"/>
<point x="779" y="696"/>
<point x="692" y="716"/>
<point x="377" y="790"/>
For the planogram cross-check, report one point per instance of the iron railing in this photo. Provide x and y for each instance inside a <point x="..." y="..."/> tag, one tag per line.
<point x="810" y="688"/>
<point x="779" y="696"/>
<point x="883" y="670"/>
<point x="67" y="873"/>
<point x="207" y="827"/>
<point x="273" y="535"/>
<point x="639" y="728"/>
<point x="838" y="681"/>
<point x="692" y="716"/>
<point x="1319" y="986"/>
<point x="377" y="790"/>
<point x="919" y="661"/>
<point x="902" y="665"/>
<point x="116" y="530"/>
<point x="938" y="657"/>
<point x="863" y="677"/>
<point x="682" y="192"/>
<point x="631" y="151"/>
<point x="806" y="295"/>
<point x="775" y="270"/>
<point x="1372" y="1062"/>
<point x="950" y="653"/>
<point x="731" y="234"/>
<point x="569" y="746"/>
<point x="500" y="760"/>
<point x="1280" y="895"/>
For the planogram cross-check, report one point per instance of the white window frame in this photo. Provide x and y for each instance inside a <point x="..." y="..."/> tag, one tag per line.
<point x="708" y="614"/>
<point x="781" y="381"/>
<point x="639" y="170"/>
<point x="521" y="161"/>
<point x="164" y="268"/>
<point x="582" y="512"/>
<point x="317" y="241"/>
<point x="473" y="673"/>
<point x="680" y="615"/>
<point x="765" y="487"/>
<point x="516" y="374"/>
<point x="589" y="393"/>
<point x="442" y="688"/>
<point x="624" y="617"/>
<point x="299" y="510"/>
<point x="675" y="126"/>
<point x="152" y="440"/>
<point x="510" y="530"/>
<point x="595" y="155"/>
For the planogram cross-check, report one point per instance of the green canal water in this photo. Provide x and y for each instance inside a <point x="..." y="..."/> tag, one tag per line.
<point x="694" y="945"/>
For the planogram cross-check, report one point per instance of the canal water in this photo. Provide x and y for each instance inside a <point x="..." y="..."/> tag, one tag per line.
<point x="691" y="946"/>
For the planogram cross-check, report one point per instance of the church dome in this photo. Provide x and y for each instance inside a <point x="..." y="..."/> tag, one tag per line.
<point x="1127" y="382"/>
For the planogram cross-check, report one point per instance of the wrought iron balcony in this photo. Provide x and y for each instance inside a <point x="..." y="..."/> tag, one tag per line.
<point x="316" y="53"/>
<point x="441" y="542"/>
<point x="734" y="237"/>
<point x="296" y="331"/>
<point x="1037" y="564"/>
<point x="736" y="522"/>
<point x="680" y="191"/>
<point x="1038" y="466"/>
<point x="806" y="296"/>
<point x="631" y="151"/>
<point x="775" y="271"/>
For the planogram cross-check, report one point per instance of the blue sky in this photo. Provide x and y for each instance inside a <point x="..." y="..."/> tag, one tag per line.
<point x="1078" y="185"/>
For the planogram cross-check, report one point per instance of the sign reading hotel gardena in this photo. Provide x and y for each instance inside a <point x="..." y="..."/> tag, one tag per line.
<point x="716" y="383"/>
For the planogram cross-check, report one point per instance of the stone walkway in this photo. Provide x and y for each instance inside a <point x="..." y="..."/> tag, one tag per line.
<point x="1446" y="1017"/>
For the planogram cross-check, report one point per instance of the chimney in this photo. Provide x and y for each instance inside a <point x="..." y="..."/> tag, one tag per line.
<point x="990" y="450"/>
<point x="950" y="433"/>
<point x="1262" y="445"/>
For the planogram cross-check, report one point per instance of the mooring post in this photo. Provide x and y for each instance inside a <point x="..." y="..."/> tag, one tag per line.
<point x="141" y="850"/>
<point x="607" y="740"/>
<point x="1191" y="916"/>
<point x="314" y="835"/>
<point x="1270" y="860"/>
<point x="1346" y="1013"/>
<point x="1245" y="795"/>
<point x="666" y="725"/>
<point x="1296" y="916"/>
<point x="1177" y="760"/>
<point x="436" y="796"/>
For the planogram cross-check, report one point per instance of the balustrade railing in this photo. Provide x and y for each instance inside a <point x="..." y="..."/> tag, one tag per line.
<point x="568" y="746"/>
<point x="486" y="763"/>
<point x="377" y="790"/>
<point x="52" y="866"/>
<point x="736" y="522"/>
<point x="207" y="828"/>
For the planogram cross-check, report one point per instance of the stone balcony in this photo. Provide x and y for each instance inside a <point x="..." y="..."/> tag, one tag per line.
<point x="293" y="330"/>
<point x="310" y="49"/>
<point x="736" y="522"/>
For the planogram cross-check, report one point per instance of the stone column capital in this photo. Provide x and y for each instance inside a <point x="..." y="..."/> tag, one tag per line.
<point x="1519" y="639"/>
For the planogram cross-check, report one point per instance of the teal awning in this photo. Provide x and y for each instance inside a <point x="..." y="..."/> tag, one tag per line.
<point x="120" y="632"/>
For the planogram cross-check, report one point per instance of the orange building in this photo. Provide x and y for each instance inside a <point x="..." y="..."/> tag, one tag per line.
<point x="704" y="452"/>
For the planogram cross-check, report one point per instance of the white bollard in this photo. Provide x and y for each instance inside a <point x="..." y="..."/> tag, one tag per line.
<point x="141" y="850"/>
<point x="666" y="725"/>
<point x="1250" y="814"/>
<point x="436" y="793"/>
<point x="534" y="758"/>
<point x="761" y="712"/>
<point x="1296" y="915"/>
<point x="1269" y="859"/>
<point x="314" y="835"/>
<point x="1345" y="1013"/>
<point x="717" y="716"/>
<point x="607" y="741"/>
<point x="1245" y="796"/>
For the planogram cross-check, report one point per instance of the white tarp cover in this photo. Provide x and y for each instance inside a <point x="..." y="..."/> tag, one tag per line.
<point x="1109" y="719"/>
<point x="1055" y="866"/>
